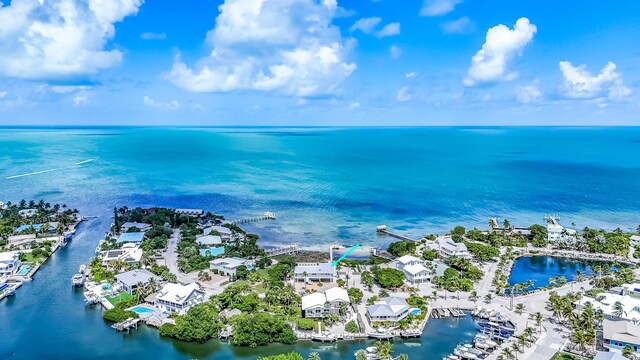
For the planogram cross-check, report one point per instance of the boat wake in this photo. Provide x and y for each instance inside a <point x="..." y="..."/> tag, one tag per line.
<point x="49" y="170"/>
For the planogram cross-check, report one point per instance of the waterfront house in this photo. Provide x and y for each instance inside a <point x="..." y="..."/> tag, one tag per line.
<point x="391" y="309"/>
<point x="128" y="253"/>
<point x="617" y="334"/>
<point x="228" y="266"/>
<point x="134" y="225"/>
<point x="414" y="269"/>
<point x="445" y="246"/>
<point x="131" y="280"/>
<point x="223" y="232"/>
<point x="209" y="240"/>
<point x="324" y="272"/>
<point x="629" y="298"/>
<point x="557" y="233"/>
<point x="190" y="212"/>
<point x="9" y="263"/>
<point x="179" y="298"/>
<point x="634" y="241"/>
<point x="132" y="237"/>
<point x="317" y="304"/>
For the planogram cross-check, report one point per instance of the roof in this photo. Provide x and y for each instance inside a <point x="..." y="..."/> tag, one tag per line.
<point x="337" y="294"/>
<point x="388" y="306"/>
<point x="314" y="268"/>
<point x="621" y="330"/>
<point x="220" y="229"/>
<point x="635" y="237"/>
<point x="133" y="277"/>
<point x="8" y="256"/>
<point x="190" y="211"/>
<point x="177" y="293"/>
<point x="606" y="302"/>
<point x="605" y="355"/>
<point x="407" y="259"/>
<point x="313" y="300"/>
<point x="135" y="237"/>
<point x="415" y="269"/>
<point x="209" y="239"/>
<point x="232" y="262"/>
<point x="138" y="225"/>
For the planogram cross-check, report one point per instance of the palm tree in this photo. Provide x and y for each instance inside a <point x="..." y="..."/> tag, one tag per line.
<point x="520" y="309"/>
<point x="360" y="355"/>
<point x="488" y="298"/>
<point x="618" y="309"/>
<point x="538" y="320"/>
<point x="508" y="353"/>
<point x="473" y="296"/>
<point x="515" y="349"/>
<point x="579" y="339"/>
<point x="522" y="341"/>
<point x="528" y="334"/>
<point x="314" y="356"/>
<point x="384" y="349"/>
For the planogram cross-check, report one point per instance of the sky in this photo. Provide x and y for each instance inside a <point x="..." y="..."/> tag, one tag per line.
<point x="319" y="62"/>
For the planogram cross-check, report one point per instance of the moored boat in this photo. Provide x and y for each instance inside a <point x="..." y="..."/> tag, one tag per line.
<point x="77" y="280"/>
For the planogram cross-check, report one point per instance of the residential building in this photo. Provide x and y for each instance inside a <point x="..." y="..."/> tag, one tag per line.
<point x="128" y="253"/>
<point x="222" y="231"/>
<point x="210" y="240"/>
<point x="317" y="304"/>
<point x="132" y="237"/>
<point x="609" y="355"/>
<point x="27" y="213"/>
<point x="414" y="269"/>
<point x="324" y="272"/>
<point x="557" y="233"/>
<point x="179" y="298"/>
<point x="131" y="280"/>
<point x="190" y="212"/>
<point x="229" y="266"/>
<point x="391" y="309"/>
<point x="634" y="241"/>
<point x="134" y="225"/>
<point x="617" y="334"/>
<point x="445" y="246"/>
<point x="629" y="298"/>
<point x="9" y="263"/>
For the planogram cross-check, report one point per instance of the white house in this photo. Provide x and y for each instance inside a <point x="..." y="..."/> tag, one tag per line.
<point x="131" y="280"/>
<point x="618" y="334"/>
<point x="324" y="272"/>
<point x="317" y="304"/>
<point x="634" y="241"/>
<point x="210" y="240"/>
<point x="557" y="233"/>
<point x="223" y="232"/>
<point x="179" y="298"/>
<point x="414" y="269"/>
<point x="445" y="246"/>
<point x="228" y="266"/>
<point x="391" y="309"/>
<point x="130" y="225"/>
<point x="629" y="298"/>
<point x="132" y="237"/>
<point x="9" y="263"/>
<point x="27" y="213"/>
<point x="128" y="253"/>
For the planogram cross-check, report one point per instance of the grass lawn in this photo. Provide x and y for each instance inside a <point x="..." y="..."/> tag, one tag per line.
<point x="123" y="296"/>
<point x="564" y="356"/>
<point x="30" y="258"/>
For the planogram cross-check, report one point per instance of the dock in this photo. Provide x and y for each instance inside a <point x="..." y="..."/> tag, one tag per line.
<point x="126" y="325"/>
<point x="283" y="250"/>
<point x="382" y="229"/>
<point x="266" y="216"/>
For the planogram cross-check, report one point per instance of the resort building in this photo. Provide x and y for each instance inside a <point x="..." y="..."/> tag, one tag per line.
<point x="133" y="279"/>
<point x="9" y="263"/>
<point x="228" y="266"/>
<point x="179" y="298"/>
<point x="306" y="272"/>
<point x="317" y="304"/>
<point x="414" y="269"/>
<point x="618" y="334"/>
<point x="134" y="225"/>
<point x="629" y="298"/>
<point x="190" y="212"/>
<point x="210" y="240"/>
<point x="634" y="241"/>
<point x="391" y="309"/>
<point x="557" y="233"/>
<point x="132" y="237"/>
<point x="128" y="253"/>
<point x="223" y="232"/>
<point x="445" y="246"/>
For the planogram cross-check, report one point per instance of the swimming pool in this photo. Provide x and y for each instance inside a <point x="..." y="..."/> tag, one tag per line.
<point x="24" y="270"/>
<point x="142" y="310"/>
<point x="107" y="287"/>
<point x="415" y="312"/>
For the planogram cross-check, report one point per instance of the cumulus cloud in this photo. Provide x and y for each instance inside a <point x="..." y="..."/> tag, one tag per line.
<point x="529" y="93"/>
<point x="438" y="7"/>
<point x="369" y="26"/>
<point x="491" y="63"/>
<point x="57" y="39"/>
<point x="171" y="105"/>
<point x="459" y="26"/>
<point x="403" y="94"/>
<point x="579" y="83"/>
<point x="287" y="46"/>
<point x="153" y="36"/>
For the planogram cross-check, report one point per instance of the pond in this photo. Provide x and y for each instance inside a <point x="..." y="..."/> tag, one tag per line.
<point x="541" y="268"/>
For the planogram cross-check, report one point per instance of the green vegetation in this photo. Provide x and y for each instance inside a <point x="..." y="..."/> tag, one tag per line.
<point x="539" y="234"/>
<point x="100" y="272"/>
<point x="246" y="247"/>
<point x="200" y="324"/>
<point x="117" y="299"/>
<point x="261" y="329"/>
<point x="429" y="255"/>
<point x="389" y="278"/>
<point x="563" y="356"/>
<point x="288" y="356"/>
<point x="599" y="241"/>
<point x="306" y="324"/>
<point x="403" y="247"/>
<point x="163" y="272"/>
<point x="44" y="213"/>
<point x="352" y="327"/>
<point x="355" y="295"/>
<point x="582" y="324"/>
<point x="118" y="313"/>
<point x="372" y="260"/>
<point x="482" y="252"/>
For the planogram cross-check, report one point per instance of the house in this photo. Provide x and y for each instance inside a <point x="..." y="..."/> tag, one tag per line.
<point x="9" y="263"/>
<point x="131" y="237"/>
<point x="128" y="253"/>
<point x="634" y="241"/>
<point x="317" y="304"/>
<point x="179" y="298"/>
<point x="130" y="280"/>
<point x="618" y="334"/>
<point x="445" y="246"/>
<point x="210" y="240"/>
<point x="324" y="272"/>
<point x="27" y="213"/>
<point x="606" y="302"/>
<point x="391" y="309"/>
<point x="222" y="231"/>
<point x="190" y="212"/>
<point x="229" y="266"/>
<point x="557" y="233"/>
<point x="134" y="225"/>
<point x="405" y="260"/>
<point x="606" y="355"/>
<point x="414" y="269"/>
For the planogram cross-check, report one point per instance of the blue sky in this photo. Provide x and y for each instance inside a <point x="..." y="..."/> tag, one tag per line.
<point x="319" y="62"/>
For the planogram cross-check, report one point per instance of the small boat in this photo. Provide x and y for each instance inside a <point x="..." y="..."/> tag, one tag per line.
<point x="380" y="335"/>
<point x="77" y="280"/>
<point x="370" y="353"/>
<point x="472" y="350"/>
<point x="82" y="269"/>
<point x="324" y="337"/>
<point x="411" y="333"/>
<point x="464" y="354"/>
<point x="10" y="292"/>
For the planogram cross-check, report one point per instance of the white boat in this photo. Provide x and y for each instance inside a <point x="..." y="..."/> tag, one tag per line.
<point x="370" y="353"/>
<point x="77" y="280"/>
<point x="461" y="352"/>
<point x="82" y="269"/>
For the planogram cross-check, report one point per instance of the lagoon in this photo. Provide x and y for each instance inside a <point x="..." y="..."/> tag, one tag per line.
<point x="541" y="268"/>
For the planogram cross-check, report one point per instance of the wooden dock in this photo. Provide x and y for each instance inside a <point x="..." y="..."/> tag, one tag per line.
<point x="266" y="216"/>
<point x="283" y="250"/>
<point x="382" y="229"/>
<point x="126" y="325"/>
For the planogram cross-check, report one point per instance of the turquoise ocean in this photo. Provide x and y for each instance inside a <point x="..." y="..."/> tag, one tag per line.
<point x="326" y="185"/>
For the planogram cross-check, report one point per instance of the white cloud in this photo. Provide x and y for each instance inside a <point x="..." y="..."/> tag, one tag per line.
<point x="403" y="94"/>
<point x="287" y="46"/>
<point x="153" y="36"/>
<point x="395" y="52"/>
<point x="80" y="100"/>
<point x="529" y="93"/>
<point x="60" y="38"/>
<point x="353" y="106"/>
<point x="3" y="94"/>
<point x="410" y="75"/>
<point x="502" y="44"/>
<point x="438" y="7"/>
<point x="579" y="83"/>
<point x="389" y="30"/>
<point x="171" y="105"/>
<point x="366" y="25"/>
<point x="67" y="89"/>
<point x="459" y="26"/>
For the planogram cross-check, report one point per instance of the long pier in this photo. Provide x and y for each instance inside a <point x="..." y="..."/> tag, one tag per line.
<point x="382" y="229"/>
<point x="266" y="216"/>
<point x="283" y="250"/>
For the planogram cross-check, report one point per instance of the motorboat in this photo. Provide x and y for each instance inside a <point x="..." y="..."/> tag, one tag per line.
<point x="82" y="269"/>
<point x="77" y="280"/>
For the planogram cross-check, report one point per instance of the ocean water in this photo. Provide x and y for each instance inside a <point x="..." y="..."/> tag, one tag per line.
<point x="326" y="185"/>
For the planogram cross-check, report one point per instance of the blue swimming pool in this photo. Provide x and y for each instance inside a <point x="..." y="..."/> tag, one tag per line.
<point x="107" y="287"/>
<point x="24" y="270"/>
<point x="142" y="310"/>
<point x="415" y="312"/>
